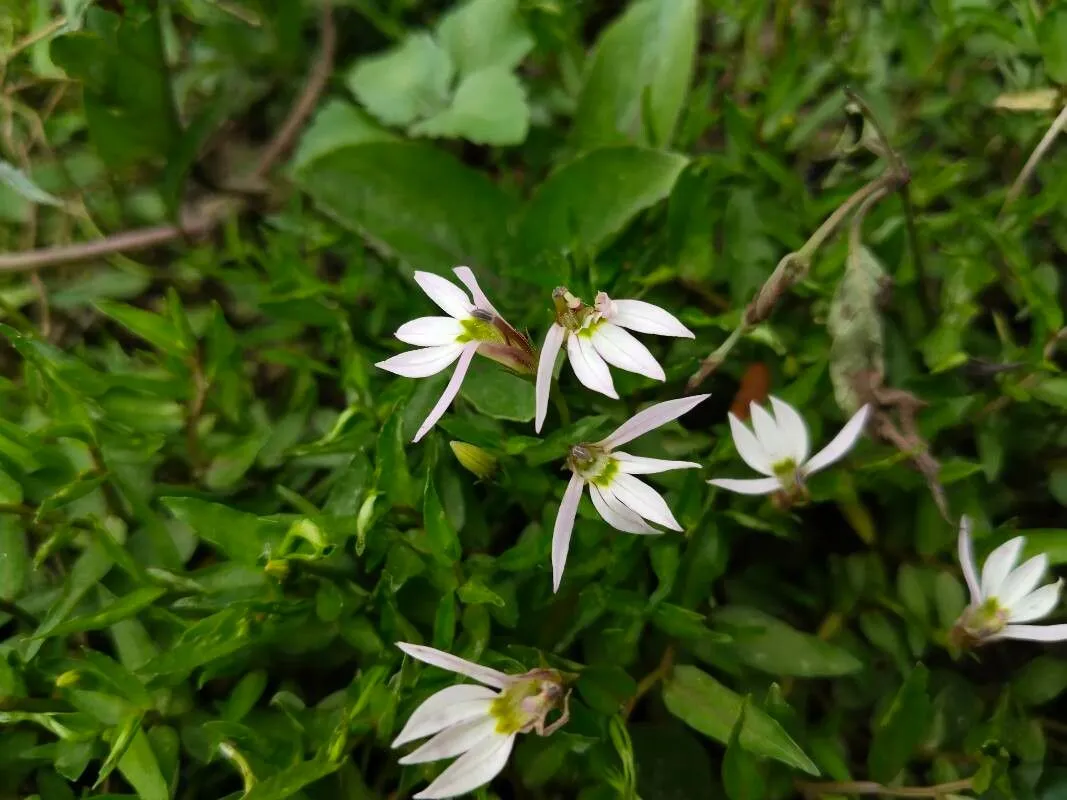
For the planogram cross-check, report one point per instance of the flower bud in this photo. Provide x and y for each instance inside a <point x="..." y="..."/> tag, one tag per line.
<point x="474" y="459"/>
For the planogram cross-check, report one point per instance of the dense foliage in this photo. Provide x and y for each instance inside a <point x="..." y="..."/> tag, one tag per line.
<point x="214" y="527"/>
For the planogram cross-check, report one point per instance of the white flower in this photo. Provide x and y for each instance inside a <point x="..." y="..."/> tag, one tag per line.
<point x="624" y="502"/>
<point x="1007" y="596"/>
<point x="596" y="337"/>
<point x="477" y="723"/>
<point x="469" y="328"/>
<point x="778" y="446"/>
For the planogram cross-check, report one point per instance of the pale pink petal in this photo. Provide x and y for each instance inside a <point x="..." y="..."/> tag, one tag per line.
<point x="430" y="331"/>
<point x="747" y="486"/>
<point x="643" y="500"/>
<point x="545" y="367"/>
<point x="770" y="438"/>
<point x="1022" y="580"/>
<point x="1033" y="633"/>
<point x="1037" y="604"/>
<point x="967" y="562"/>
<point x="466" y="275"/>
<point x="637" y="315"/>
<point x="999" y="565"/>
<point x="749" y="447"/>
<point x="474" y="768"/>
<point x="453" y="741"/>
<point x="622" y="350"/>
<point x="616" y="514"/>
<point x="792" y="428"/>
<point x="589" y="367"/>
<point x="450" y="392"/>
<point x="564" y="527"/>
<point x="423" y="362"/>
<point x="439" y="658"/>
<point x="651" y="418"/>
<point x="452" y="300"/>
<point x="639" y="465"/>
<point x="840" y="444"/>
<point x="447" y="707"/>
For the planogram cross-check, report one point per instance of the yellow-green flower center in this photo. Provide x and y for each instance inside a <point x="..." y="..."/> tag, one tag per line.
<point x="476" y="329"/>
<point x="984" y="620"/>
<point x="787" y="473"/>
<point x="593" y="464"/>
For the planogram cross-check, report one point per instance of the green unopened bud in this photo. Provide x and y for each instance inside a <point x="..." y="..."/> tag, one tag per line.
<point x="474" y="459"/>
<point x="277" y="568"/>
<point x="68" y="679"/>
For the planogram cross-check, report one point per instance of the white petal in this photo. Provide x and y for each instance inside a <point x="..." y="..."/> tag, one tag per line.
<point x="444" y="709"/>
<point x="564" y="527"/>
<point x="747" y="486"/>
<point x="840" y="444"/>
<point x="467" y="277"/>
<point x="472" y="769"/>
<point x="642" y="499"/>
<point x="450" y="392"/>
<point x="967" y="562"/>
<point x="649" y="419"/>
<point x="545" y="366"/>
<point x="452" y="741"/>
<point x="770" y="438"/>
<point x="452" y="300"/>
<point x="439" y="658"/>
<point x="1033" y="633"/>
<point x="637" y="315"/>
<point x="616" y="514"/>
<point x="622" y="350"/>
<point x="430" y="331"/>
<point x="589" y="367"/>
<point x="793" y="428"/>
<point x="1037" y="604"/>
<point x="639" y="465"/>
<point x="749" y="447"/>
<point x="1022" y="580"/>
<point x="423" y="362"/>
<point x="999" y="565"/>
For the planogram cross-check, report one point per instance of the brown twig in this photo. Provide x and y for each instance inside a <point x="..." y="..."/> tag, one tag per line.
<point x="813" y="789"/>
<point x="647" y="683"/>
<point x="205" y="216"/>
<point x="1054" y="130"/>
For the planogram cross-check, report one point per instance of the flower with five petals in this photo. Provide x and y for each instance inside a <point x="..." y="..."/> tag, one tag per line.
<point x="478" y="723"/>
<point x="469" y="328"/>
<point x="625" y="502"/>
<point x="596" y="337"/>
<point x="1006" y="597"/>
<point x="778" y="446"/>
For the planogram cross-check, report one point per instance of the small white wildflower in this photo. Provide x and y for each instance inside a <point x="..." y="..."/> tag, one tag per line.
<point x="624" y="502"/>
<point x="778" y="447"/>
<point x="469" y="328"/>
<point x="596" y="337"/>
<point x="1007" y="596"/>
<point x="477" y="723"/>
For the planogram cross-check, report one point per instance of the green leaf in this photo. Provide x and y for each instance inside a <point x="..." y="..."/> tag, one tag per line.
<point x="139" y="767"/>
<point x="1050" y="541"/>
<point x="88" y="570"/>
<point x="589" y="200"/>
<point x="742" y="776"/>
<point x="15" y="564"/>
<point x="489" y="107"/>
<point x="15" y="178"/>
<point x="444" y="543"/>
<point x="475" y="592"/>
<point x="337" y="124"/>
<point x="606" y="689"/>
<point x="379" y="190"/>
<point x="391" y="471"/>
<point x="122" y="608"/>
<point x="1052" y="391"/>
<point x="1041" y="681"/>
<point x="291" y="780"/>
<point x="211" y="638"/>
<point x="770" y="645"/>
<point x="122" y="738"/>
<point x="703" y="703"/>
<point x="498" y="393"/>
<point x="409" y="82"/>
<point x="240" y="536"/>
<point x="1052" y="38"/>
<point x="485" y="33"/>
<point x="902" y="728"/>
<point x="636" y="85"/>
<point x="855" y="325"/>
<point x="155" y="329"/>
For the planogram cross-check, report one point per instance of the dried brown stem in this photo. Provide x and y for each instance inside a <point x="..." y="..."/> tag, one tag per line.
<point x="207" y="215"/>
<point x="1027" y="171"/>
<point x="813" y="789"/>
